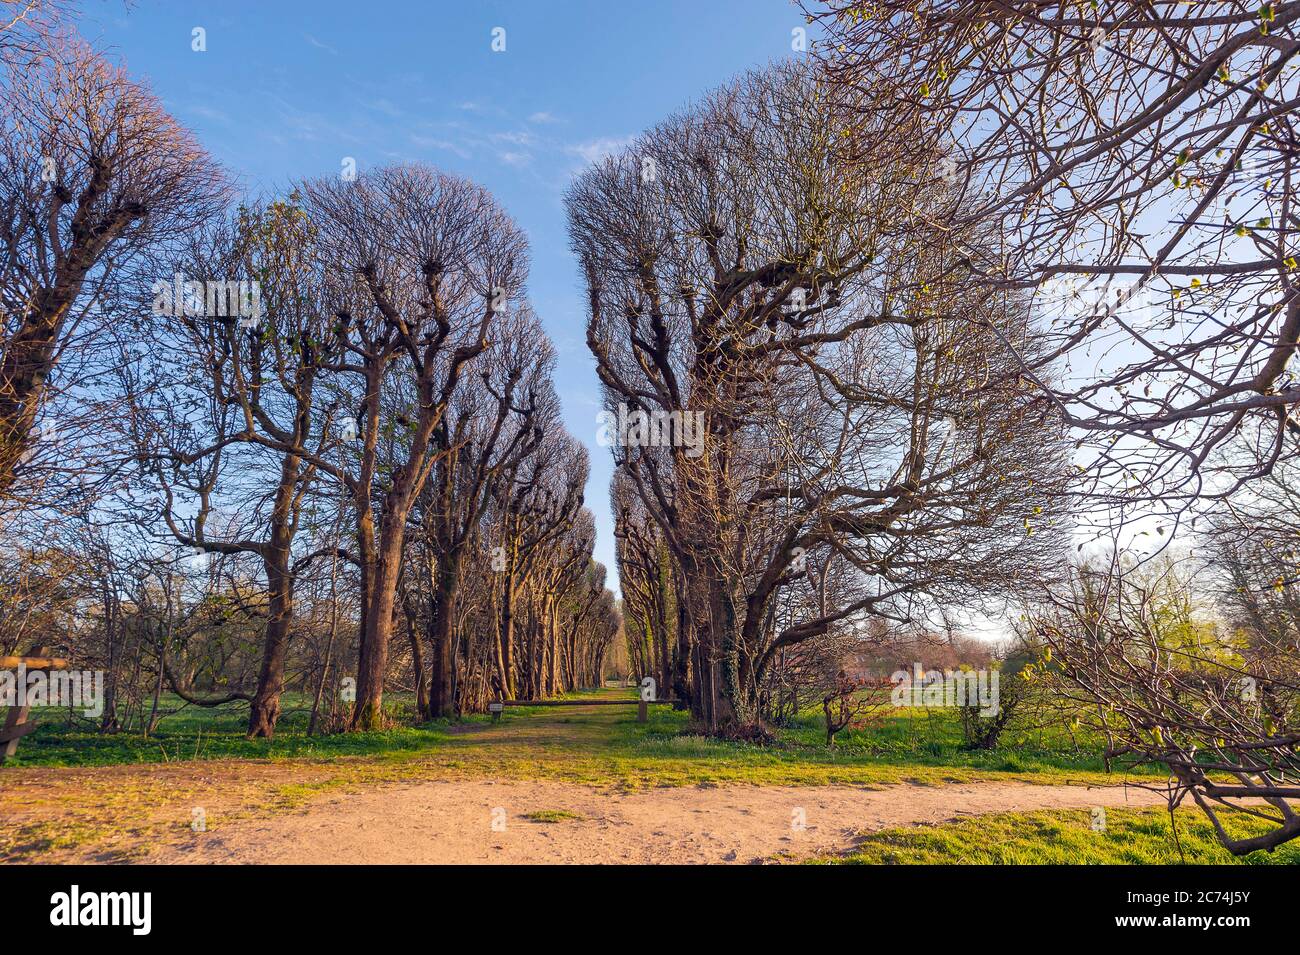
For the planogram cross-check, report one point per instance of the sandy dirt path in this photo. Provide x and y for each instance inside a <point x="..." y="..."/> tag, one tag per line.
<point x="453" y="822"/>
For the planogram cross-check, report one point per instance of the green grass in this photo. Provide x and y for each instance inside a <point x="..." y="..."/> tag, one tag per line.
<point x="933" y="738"/>
<point x="216" y="733"/>
<point x="1064" y="837"/>
<point x="604" y="746"/>
<point x="553" y="815"/>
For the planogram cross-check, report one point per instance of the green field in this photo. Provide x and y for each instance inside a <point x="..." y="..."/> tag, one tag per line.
<point x="915" y="744"/>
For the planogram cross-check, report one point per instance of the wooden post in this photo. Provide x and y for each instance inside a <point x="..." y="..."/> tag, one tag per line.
<point x="495" y="709"/>
<point x="16" y="725"/>
<point x="642" y="711"/>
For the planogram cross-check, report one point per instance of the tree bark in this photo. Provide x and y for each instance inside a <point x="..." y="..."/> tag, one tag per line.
<point x="441" y="628"/>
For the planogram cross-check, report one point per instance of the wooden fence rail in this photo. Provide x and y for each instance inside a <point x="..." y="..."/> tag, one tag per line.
<point x="16" y="723"/>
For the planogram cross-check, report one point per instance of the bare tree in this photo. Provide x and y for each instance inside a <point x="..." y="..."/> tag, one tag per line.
<point x="1251" y="545"/>
<point x="657" y="633"/>
<point x="853" y="703"/>
<point x="535" y="510"/>
<point x="26" y="30"/>
<point x="792" y="392"/>
<point x="496" y="422"/>
<point x="1132" y="165"/>
<point x="421" y="264"/>
<point x="234" y="387"/>
<point x="1167" y="688"/>
<point x="228" y="409"/>
<point x="94" y="173"/>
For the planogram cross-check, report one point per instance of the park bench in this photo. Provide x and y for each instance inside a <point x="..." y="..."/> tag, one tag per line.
<point x="16" y="724"/>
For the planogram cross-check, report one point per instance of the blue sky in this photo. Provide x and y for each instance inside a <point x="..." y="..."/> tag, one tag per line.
<point x="289" y="89"/>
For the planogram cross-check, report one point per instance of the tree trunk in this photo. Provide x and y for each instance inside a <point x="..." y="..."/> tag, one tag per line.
<point x="446" y="576"/>
<point x="377" y="631"/>
<point x="417" y="657"/>
<point x="31" y="351"/>
<point x="506" y="641"/>
<point x="550" y="644"/>
<point x="265" y="708"/>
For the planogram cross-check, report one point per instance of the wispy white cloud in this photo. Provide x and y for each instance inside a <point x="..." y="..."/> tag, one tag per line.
<point x="521" y="138"/>
<point x="305" y="125"/>
<point x="385" y="106"/>
<point x="543" y="118"/>
<point x="435" y="142"/>
<point x="319" y="45"/>
<point x="594" y="150"/>
<point x="207" y="112"/>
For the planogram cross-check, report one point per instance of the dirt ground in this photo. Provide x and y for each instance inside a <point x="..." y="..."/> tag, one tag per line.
<point x="460" y="811"/>
<point x="481" y="821"/>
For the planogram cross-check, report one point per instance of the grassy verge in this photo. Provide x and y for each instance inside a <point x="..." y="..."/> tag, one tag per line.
<point x="1063" y="837"/>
